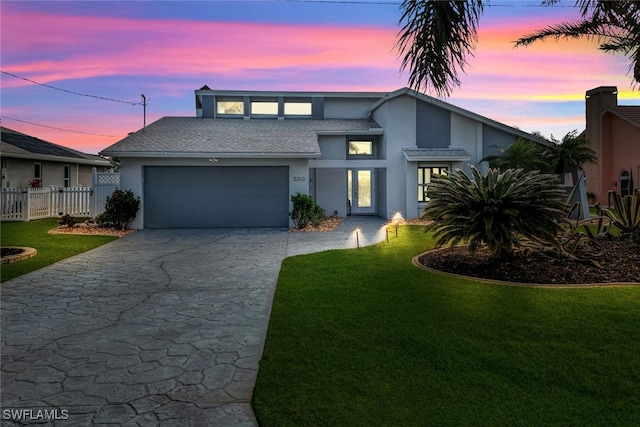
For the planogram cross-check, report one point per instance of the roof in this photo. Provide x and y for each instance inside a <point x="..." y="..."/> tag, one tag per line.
<point x="224" y="137"/>
<point x="461" y="111"/>
<point x="436" y="154"/>
<point x="629" y="113"/>
<point x="18" y="144"/>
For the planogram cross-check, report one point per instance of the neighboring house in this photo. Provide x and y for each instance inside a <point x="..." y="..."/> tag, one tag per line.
<point x="613" y="131"/>
<point x="27" y="160"/>
<point x="239" y="160"/>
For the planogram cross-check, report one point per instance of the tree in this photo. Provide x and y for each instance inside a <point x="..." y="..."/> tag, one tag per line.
<point x="524" y="154"/>
<point x="616" y="24"/>
<point x="570" y="153"/>
<point x="435" y="40"/>
<point x="436" y="36"/>
<point x="495" y="210"/>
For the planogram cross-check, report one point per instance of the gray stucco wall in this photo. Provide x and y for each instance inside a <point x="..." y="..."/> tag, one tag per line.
<point x="494" y="140"/>
<point x="433" y="126"/>
<point x="332" y="193"/>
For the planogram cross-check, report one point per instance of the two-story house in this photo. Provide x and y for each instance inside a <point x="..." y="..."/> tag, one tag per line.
<point x="240" y="158"/>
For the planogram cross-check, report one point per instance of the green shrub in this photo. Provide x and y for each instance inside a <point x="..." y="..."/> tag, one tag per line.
<point x="120" y="210"/>
<point x="305" y="211"/>
<point x="496" y="210"/>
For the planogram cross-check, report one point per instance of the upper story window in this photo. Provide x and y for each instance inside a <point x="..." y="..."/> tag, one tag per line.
<point x="360" y="148"/>
<point x="297" y="107"/>
<point x="230" y="106"/>
<point x="264" y="107"/>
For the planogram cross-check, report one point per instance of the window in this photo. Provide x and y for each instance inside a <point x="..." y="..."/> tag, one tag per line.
<point x="360" y="148"/>
<point x="625" y="188"/>
<point x="37" y="171"/>
<point x="267" y="108"/>
<point x="230" y="106"/>
<point x="67" y="176"/>
<point x="425" y="174"/>
<point x="297" y="108"/>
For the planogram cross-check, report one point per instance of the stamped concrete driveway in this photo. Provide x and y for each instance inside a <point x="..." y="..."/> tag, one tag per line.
<point x="161" y="327"/>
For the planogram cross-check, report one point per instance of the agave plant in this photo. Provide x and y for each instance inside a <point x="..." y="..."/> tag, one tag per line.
<point x="625" y="214"/>
<point x="496" y="210"/>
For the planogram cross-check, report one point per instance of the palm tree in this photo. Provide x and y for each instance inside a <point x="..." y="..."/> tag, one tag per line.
<point x="495" y="210"/>
<point x="616" y="24"/>
<point x="436" y="36"/>
<point x="435" y="39"/>
<point x="569" y="154"/>
<point x="524" y="154"/>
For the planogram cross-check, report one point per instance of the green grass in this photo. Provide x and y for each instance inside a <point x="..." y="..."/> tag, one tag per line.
<point x="51" y="247"/>
<point x="364" y="338"/>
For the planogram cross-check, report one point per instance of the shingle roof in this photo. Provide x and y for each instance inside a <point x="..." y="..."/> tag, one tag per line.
<point x="436" y="154"/>
<point x="35" y="145"/>
<point x="189" y="136"/>
<point x="18" y="144"/>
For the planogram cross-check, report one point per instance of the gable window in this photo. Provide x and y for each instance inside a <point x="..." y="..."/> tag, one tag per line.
<point x="360" y="148"/>
<point x="67" y="176"/>
<point x="230" y="106"/>
<point x="425" y="175"/>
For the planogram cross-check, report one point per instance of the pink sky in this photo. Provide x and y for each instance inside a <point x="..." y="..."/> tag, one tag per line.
<point x="539" y="88"/>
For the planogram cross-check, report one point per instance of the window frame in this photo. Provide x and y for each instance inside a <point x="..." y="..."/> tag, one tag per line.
<point x="423" y="187"/>
<point x="67" y="176"/>
<point x="238" y="100"/>
<point x="37" y="171"/>
<point x="362" y="156"/>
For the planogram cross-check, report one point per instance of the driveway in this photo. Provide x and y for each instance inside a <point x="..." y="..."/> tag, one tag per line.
<point x="162" y="327"/>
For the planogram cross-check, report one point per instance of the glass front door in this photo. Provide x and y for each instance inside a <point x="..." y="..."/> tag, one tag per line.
<point x="361" y="190"/>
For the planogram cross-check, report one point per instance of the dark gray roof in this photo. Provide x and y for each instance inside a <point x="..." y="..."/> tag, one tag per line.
<point x="436" y="154"/>
<point x="229" y="137"/>
<point x="35" y="145"/>
<point x="17" y="144"/>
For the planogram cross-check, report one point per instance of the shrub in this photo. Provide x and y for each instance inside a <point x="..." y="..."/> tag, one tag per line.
<point x="120" y="210"/>
<point x="67" y="220"/>
<point x="305" y="211"/>
<point x="496" y="210"/>
<point x="625" y="214"/>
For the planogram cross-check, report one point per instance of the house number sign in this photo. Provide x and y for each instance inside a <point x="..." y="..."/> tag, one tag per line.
<point x="299" y="178"/>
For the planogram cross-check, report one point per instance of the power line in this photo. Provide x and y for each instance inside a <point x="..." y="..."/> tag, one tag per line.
<point x="56" y="128"/>
<point x="69" y="91"/>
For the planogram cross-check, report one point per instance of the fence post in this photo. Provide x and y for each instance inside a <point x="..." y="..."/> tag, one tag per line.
<point x="27" y="209"/>
<point x="93" y="202"/>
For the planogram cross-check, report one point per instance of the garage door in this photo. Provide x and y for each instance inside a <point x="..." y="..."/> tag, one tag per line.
<point x="214" y="196"/>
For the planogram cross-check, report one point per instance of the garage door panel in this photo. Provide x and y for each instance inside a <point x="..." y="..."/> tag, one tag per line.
<point x="202" y="197"/>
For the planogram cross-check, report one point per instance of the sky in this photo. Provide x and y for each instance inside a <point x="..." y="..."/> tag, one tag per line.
<point x="105" y="54"/>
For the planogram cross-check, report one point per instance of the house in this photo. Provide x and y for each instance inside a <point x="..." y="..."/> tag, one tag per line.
<point x="29" y="161"/>
<point x="240" y="158"/>
<point x="613" y="131"/>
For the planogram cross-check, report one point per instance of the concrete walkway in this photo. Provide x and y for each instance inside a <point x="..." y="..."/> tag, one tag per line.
<point x="160" y="328"/>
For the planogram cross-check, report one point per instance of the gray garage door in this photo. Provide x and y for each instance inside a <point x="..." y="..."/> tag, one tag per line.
<point x="216" y="196"/>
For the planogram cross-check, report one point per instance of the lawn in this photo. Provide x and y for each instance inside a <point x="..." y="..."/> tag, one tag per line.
<point x="364" y="338"/>
<point x="51" y="247"/>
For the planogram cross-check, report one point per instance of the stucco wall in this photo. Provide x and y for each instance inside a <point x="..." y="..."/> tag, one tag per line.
<point x="21" y="171"/>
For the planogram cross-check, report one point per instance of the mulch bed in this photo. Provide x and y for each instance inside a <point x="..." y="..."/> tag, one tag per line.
<point x="620" y="263"/>
<point x="329" y="224"/>
<point x="91" y="230"/>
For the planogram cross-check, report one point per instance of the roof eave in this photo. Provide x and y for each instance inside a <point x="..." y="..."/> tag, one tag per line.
<point x="44" y="157"/>
<point x="204" y="155"/>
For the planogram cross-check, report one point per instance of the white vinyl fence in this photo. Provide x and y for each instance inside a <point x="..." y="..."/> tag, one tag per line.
<point x="24" y="204"/>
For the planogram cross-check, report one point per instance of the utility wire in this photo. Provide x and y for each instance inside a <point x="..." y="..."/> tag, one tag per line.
<point x="69" y="91"/>
<point x="52" y="127"/>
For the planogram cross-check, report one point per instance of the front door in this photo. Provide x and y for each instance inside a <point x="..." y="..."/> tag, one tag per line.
<point x="361" y="191"/>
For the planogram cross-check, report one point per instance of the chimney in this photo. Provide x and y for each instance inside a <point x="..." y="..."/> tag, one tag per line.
<point x="597" y="101"/>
